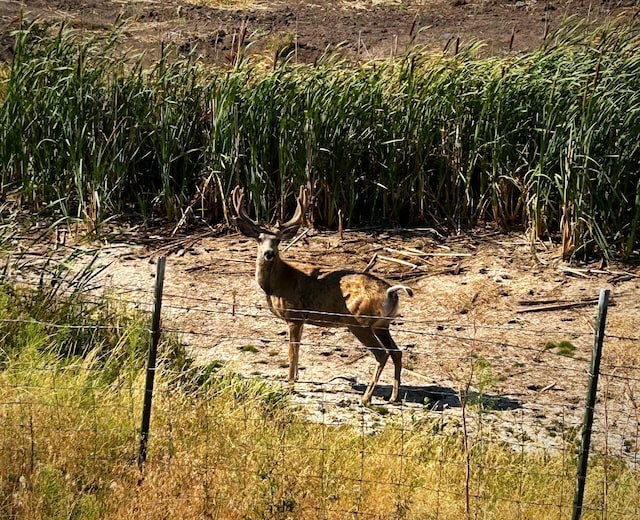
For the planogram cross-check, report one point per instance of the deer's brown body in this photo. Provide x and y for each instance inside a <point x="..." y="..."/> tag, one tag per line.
<point x="301" y="294"/>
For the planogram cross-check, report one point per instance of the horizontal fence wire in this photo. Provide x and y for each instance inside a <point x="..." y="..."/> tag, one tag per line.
<point x="241" y="421"/>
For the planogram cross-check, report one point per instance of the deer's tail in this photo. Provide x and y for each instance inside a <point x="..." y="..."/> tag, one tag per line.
<point x="391" y="305"/>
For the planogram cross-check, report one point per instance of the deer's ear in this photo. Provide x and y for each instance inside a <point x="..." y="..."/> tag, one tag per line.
<point x="289" y="232"/>
<point x="246" y="229"/>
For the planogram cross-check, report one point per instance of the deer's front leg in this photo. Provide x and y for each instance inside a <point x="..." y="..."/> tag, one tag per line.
<point x="295" y="334"/>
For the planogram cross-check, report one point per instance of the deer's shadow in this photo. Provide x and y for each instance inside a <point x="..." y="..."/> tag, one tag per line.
<point x="437" y="398"/>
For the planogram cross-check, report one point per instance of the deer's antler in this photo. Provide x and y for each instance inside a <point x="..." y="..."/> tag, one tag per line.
<point x="301" y="209"/>
<point x="246" y="225"/>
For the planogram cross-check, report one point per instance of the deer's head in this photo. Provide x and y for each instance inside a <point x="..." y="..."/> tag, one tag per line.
<point x="268" y="239"/>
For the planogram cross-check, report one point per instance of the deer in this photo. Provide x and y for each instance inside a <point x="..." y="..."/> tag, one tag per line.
<point x="303" y="294"/>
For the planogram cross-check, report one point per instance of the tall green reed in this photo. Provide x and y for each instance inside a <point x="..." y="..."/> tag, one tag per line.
<point x="546" y="140"/>
<point x="94" y="134"/>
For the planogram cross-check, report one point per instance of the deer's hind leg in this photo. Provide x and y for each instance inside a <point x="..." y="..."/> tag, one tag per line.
<point x="366" y="336"/>
<point x="392" y="349"/>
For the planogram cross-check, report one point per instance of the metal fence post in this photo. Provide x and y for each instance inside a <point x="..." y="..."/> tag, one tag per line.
<point x="151" y="363"/>
<point x="587" y="424"/>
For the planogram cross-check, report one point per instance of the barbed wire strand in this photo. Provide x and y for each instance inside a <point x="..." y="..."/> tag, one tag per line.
<point x="364" y="478"/>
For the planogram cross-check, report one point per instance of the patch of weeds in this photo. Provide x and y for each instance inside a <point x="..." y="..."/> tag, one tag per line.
<point x="248" y="348"/>
<point x="484" y="371"/>
<point x="564" y="348"/>
<point x="409" y="363"/>
<point x="380" y="410"/>
<point x="50" y="485"/>
<point x="571" y="435"/>
<point x="554" y="429"/>
<point x="523" y="437"/>
<point x="282" y="45"/>
<point x="203" y="376"/>
<point x="270" y="398"/>
<point x="485" y="380"/>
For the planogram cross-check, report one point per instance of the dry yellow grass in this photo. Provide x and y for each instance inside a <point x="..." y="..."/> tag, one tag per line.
<point x="236" y="449"/>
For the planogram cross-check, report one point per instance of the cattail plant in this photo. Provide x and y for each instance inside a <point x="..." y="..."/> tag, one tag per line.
<point x="546" y="141"/>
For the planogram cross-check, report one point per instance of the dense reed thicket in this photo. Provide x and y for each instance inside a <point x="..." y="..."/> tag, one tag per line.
<point x="547" y="140"/>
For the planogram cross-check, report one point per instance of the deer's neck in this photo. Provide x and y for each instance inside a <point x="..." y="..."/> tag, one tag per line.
<point x="271" y="276"/>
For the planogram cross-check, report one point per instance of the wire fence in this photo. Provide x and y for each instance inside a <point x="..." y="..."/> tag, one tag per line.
<point x="488" y="424"/>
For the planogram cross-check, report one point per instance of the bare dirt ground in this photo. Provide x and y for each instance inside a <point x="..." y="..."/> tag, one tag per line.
<point x="363" y="29"/>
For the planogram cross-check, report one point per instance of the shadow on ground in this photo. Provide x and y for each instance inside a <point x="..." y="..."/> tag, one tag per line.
<point x="437" y="398"/>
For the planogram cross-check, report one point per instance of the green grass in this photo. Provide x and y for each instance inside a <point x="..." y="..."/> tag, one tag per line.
<point x="563" y="348"/>
<point x="547" y="140"/>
